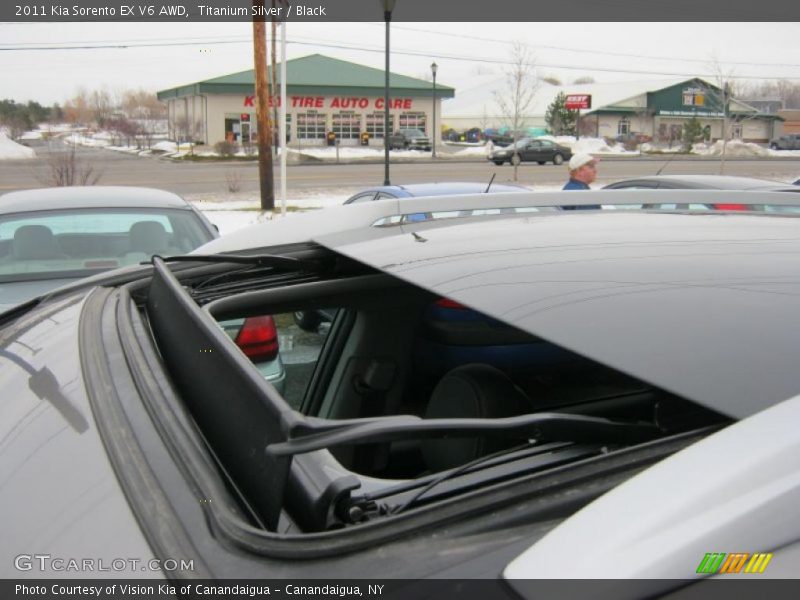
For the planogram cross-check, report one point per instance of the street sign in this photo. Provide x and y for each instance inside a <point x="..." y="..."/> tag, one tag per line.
<point x="578" y="101"/>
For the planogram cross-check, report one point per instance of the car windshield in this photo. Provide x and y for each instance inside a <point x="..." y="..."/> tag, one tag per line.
<point x="414" y="133"/>
<point x="76" y="243"/>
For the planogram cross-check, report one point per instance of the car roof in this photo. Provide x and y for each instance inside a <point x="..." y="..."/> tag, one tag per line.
<point x="673" y="299"/>
<point x="80" y="197"/>
<point x="717" y="182"/>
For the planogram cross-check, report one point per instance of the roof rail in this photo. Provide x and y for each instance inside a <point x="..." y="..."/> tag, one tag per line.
<point x="307" y="226"/>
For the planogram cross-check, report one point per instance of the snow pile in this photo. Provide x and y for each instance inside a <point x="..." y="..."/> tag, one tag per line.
<point x="31" y="135"/>
<point x="11" y="150"/>
<point x="648" y="147"/>
<point x="165" y="146"/>
<point x="236" y="211"/>
<point x="589" y="145"/>
<point x="732" y="148"/>
<point x="481" y="151"/>
<point x="78" y="139"/>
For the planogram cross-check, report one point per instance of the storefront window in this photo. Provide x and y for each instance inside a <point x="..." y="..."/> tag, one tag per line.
<point x="311" y="125"/>
<point x="413" y="120"/>
<point x="346" y="125"/>
<point x="624" y="126"/>
<point x="375" y="122"/>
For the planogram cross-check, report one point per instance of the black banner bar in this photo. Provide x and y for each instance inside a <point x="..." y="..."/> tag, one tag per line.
<point x="597" y="11"/>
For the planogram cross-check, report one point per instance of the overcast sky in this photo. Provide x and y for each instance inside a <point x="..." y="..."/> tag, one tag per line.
<point x="171" y="54"/>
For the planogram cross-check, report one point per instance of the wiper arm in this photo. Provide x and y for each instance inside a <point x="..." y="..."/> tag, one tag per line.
<point x="306" y="434"/>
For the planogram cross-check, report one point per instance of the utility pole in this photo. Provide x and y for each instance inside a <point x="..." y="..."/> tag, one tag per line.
<point x="265" y="176"/>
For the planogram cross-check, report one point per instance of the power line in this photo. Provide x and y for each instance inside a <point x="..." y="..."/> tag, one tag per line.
<point x="441" y="56"/>
<point x="592" y="52"/>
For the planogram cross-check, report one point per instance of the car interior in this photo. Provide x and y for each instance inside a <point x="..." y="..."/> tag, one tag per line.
<point x="409" y="398"/>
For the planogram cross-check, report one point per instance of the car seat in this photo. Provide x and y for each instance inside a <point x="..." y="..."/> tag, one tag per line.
<point x="471" y="391"/>
<point x="149" y="237"/>
<point x="35" y="242"/>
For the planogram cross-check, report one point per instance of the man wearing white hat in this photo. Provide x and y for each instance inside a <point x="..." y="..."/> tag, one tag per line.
<point x="582" y="172"/>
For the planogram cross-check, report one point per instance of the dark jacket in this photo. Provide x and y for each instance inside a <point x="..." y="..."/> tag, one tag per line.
<point x="574" y="184"/>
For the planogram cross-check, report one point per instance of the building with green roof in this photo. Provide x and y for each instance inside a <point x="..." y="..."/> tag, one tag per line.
<point x="324" y="95"/>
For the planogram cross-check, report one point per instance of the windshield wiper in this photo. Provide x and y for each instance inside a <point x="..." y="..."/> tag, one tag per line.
<point x="306" y="434"/>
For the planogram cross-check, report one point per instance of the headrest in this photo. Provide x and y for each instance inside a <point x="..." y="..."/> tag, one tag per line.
<point x="148" y="236"/>
<point x="35" y="242"/>
<point x="472" y="391"/>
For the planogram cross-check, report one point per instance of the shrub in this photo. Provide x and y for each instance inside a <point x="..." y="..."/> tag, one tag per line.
<point x="225" y="148"/>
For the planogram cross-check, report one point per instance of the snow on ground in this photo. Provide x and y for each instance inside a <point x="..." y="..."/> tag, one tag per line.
<point x="95" y="141"/>
<point x="11" y="150"/>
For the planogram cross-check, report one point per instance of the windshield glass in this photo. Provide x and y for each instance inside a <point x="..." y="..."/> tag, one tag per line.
<point x="77" y="243"/>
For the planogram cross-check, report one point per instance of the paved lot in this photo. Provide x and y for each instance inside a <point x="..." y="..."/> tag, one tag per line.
<point x="188" y="178"/>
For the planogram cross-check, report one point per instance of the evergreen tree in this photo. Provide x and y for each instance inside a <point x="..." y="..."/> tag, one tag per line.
<point x="560" y="120"/>
<point x="692" y="132"/>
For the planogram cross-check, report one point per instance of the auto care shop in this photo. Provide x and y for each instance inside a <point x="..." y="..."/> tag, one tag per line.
<point x="662" y="112"/>
<point x="327" y="100"/>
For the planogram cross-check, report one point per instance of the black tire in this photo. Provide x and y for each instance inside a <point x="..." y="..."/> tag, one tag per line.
<point x="499" y="163"/>
<point x="307" y="320"/>
<point x="516" y="160"/>
<point x="773" y="146"/>
<point x="558" y="159"/>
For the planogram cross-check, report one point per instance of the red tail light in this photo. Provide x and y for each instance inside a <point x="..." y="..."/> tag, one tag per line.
<point x="730" y="206"/>
<point x="447" y="303"/>
<point x="258" y="338"/>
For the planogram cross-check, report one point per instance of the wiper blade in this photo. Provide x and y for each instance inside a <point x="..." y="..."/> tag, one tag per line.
<point x="306" y="434"/>
<point x="258" y="260"/>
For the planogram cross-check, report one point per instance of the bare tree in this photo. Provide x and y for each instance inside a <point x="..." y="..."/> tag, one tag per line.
<point x="516" y="99"/>
<point x="77" y="110"/>
<point x="719" y="98"/>
<point x="102" y="106"/>
<point x="788" y="92"/>
<point x="145" y="109"/>
<point x="66" y="169"/>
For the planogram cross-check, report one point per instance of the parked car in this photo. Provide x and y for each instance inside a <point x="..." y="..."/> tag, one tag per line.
<point x="51" y="236"/>
<point x="531" y="150"/>
<point x="442" y="188"/>
<point x="409" y="139"/>
<point x="54" y="236"/>
<point x="708" y="182"/>
<point x="656" y="432"/>
<point x="786" y="142"/>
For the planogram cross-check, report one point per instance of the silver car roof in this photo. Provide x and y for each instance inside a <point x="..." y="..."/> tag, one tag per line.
<point x="87" y="197"/>
<point x="703" y="305"/>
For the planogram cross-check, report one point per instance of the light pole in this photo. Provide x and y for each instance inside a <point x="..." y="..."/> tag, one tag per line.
<point x="388" y="7"/>
<point x="434" y="68"/>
